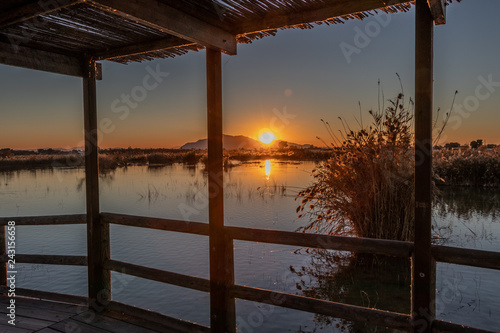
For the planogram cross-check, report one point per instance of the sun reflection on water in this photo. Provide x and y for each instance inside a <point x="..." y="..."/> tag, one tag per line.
<point x="267" y="168"/>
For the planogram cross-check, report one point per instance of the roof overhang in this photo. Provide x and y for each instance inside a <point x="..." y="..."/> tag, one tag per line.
<point x="57" y="35"/>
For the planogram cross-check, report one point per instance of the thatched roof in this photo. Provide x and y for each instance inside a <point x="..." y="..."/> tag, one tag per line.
<point x="138" y="30"/>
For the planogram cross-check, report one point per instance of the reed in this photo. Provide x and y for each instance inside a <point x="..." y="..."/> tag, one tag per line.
<point x="468" y="167"/>
<point x="366" y="187"/>
<point x="32" y="161"/>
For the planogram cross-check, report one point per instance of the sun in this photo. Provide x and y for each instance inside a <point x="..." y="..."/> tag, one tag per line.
<point x="267" y="137"/>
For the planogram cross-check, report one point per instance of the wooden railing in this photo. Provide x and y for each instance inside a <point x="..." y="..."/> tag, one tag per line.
<point x="477" y="258"/>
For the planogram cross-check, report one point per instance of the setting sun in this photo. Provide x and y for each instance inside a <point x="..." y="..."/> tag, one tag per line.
<point x="267" y="137"/>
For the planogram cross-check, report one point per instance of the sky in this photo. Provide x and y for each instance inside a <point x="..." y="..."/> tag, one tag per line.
<point x="285" y="84"/>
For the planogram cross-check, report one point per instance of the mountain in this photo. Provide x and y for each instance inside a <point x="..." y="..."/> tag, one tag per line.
<point x="232" y="142"/>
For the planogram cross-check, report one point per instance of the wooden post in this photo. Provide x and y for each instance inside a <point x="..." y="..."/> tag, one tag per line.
<point x="423" y="279"/>
<point x="98" y="248"/>
<point x="222" y="307"/>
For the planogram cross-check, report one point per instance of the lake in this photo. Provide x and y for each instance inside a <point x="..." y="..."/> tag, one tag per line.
<point x="258" y="195"/>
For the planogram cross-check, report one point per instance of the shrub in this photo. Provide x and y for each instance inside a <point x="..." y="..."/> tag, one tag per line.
<point x="191" y="158"/>
<point x="160" y="159"/>
<point x="366" y="188"/>
<point x="107" y="163"/>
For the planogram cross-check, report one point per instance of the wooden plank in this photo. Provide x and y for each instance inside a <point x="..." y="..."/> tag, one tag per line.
<point x="327" y="308"/>
<point x="331" y="9"/>
<point x="7" y="328"/>
<point x="48" y="295"/>
<point x="31" y="323"/>
<point x="71" y="325"/>
<point x="155" y="318"/>
<point x="108" y="323"/>
<point x="140" y="48"/>
<point x="176" y="279"/>
<point x="196" y="228"/>
<point x="354" y="244"/>
<point x="47" y="330"/>
<point x="162" y="17"/>
<point x="439" y="326"/>
<point x="45" y="220"/>
<point x="47" y="305"/>
<point x="438" y="11"/>
<point x="98" y="244"/>
<point x="48" y="259"/>
<point x="33" y="9"/>
<point x="221" y="304"/>
<point x="21" y="56"/>
<point x="469" y="257"/>
<point x="423" y="279"/>
<point x="139" y="321"/>
<point x="38" y="313"/>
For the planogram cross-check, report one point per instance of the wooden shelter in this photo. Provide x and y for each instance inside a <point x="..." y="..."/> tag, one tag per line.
<point x="70" y="36"/>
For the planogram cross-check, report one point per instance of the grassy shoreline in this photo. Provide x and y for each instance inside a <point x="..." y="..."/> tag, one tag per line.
<point x="111" y="159"/>
<point x="467" y="167"/>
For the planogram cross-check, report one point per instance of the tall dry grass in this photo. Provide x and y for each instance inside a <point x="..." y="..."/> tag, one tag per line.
<point x="366" y="188"/>
<point x="470" y="167"/>
<point x="26" y="162"/>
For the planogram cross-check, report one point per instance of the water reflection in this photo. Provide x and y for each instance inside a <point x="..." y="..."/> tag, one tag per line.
<point x="463" y="217"/>
<point x="467" y="217"/>
<point x="253" y="198"/>
<point x="358" y="279"/>
<point x="267" y="168"/>
<point x="465" y="202"/>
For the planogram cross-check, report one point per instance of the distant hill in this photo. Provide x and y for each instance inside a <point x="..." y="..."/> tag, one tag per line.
<point x="232" y="142"/>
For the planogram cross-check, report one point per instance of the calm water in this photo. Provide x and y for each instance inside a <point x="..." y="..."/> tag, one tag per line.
<point x="259" y="195"/>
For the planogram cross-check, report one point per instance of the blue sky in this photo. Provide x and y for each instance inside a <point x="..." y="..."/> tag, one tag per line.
<point x="285" y="83"/>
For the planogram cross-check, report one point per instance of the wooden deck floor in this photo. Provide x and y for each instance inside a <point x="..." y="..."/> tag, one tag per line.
<point x="53" y="317"/>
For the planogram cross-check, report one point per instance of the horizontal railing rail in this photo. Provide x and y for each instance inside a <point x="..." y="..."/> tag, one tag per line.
<point x="327" y="308"/>
<point x="47" y="259"/>
<point x="154" y="274"/>
<point x="354" y="244"/>
<point x="196" y="228"/>
<point x="467" y="257"/>
<point x="446" y="254"/>
<point x="48" y="295"/>
<point x="440" y="326"/>
<point x="173" y="324"/>
<point x="45" y="220"/>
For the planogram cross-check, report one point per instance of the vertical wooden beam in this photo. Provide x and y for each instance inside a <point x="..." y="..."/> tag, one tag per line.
<point x="423" y="279"/>
<point x="98" y="248"/>
<point x="438" y="11"/>
<point x="229" y="271"/>
<point x="222" y="308"/>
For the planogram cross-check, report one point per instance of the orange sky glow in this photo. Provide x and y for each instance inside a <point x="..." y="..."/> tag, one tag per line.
<point x="284" y="84"/>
